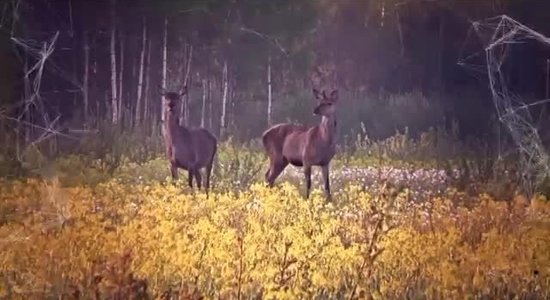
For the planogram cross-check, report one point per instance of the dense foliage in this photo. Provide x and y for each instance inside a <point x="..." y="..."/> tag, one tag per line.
<point x="82" y="229"/>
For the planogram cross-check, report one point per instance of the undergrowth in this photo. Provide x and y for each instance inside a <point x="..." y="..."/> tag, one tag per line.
<point x="120" y="240"/>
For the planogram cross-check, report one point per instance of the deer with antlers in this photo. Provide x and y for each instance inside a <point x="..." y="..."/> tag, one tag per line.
<point x="186" y="148"/>
<point x="304" y="146"/>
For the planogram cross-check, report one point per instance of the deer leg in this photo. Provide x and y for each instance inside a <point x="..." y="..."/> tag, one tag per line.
<point x="276" y="169"/>
<point x="267" y="173"/>
<point x="208" y="173"/>
<point x="271" y="166"/>
<point x="307" y="173"/>
<point x="174" y="171"/>
<point x="190" y="177"/>
<point x="327" y="181"/>
<point x="198" y="178"/>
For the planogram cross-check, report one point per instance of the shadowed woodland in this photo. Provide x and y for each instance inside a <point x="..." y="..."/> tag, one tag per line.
<point x="382" y="55"/>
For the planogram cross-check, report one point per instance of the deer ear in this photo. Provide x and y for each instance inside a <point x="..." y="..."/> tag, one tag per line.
<point x="161" y="90"/>
<point x="334" y="95"/>
<point x="317" y="94"/>
<point x="183" y="90"/>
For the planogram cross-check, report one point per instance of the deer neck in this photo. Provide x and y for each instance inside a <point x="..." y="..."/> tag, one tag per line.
<point x="171" y="125"/>
<point x="328" y="128"/>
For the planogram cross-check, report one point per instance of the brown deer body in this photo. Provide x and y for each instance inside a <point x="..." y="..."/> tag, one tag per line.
<point x="187" y="148"/>
<point x="304" y="146"/>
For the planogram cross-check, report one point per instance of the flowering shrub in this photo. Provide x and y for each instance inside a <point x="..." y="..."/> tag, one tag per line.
<point x="134" y="240"/>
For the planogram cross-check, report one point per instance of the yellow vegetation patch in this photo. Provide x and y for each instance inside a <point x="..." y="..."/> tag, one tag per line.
<point x="125" y="239"/>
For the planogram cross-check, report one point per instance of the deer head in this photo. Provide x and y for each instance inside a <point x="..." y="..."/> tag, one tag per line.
<point x="171" y="99"/>
<point x="326" y="104"/>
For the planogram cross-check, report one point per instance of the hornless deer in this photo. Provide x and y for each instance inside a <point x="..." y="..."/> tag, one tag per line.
<point x="304" y="146"/>
<point x="186" y="148"/>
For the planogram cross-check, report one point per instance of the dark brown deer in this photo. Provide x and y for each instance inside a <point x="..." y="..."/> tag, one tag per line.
<point x="304" y="146"/>
<point x="186" y="148"/>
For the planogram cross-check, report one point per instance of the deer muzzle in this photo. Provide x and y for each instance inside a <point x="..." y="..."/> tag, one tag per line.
<point x="316" y="111"/>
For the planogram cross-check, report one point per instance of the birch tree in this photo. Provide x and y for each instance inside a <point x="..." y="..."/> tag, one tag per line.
<point x="139" y="102"/>
<point x="114" y="102"/>
<point x="85" y="75"/>
<point x="164" y="58"/>
<point x="225" y="83"/>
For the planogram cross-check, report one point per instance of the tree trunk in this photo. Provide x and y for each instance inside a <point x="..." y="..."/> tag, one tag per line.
<point x="164" y="54"/>
<point x="74" y="59"/>
<point x="184" y="113"/>
<point x="382" y="13"/>
<point x="146" y="103"/>
<point x="203" y="108"/>
<point x="231" y="102"/>
<point x="86" y="75"/>
<point x="224" y="99"/>
<point x="210" y="105"/>
<point x="269" y="95"/>
<point x="400" y="31"/>
<point x="120" y="76"/>
<point x="141" y="74"/>
<point x="441" y="49"/>
<point x="135" y="66"/>
<point x="114" y="102"/>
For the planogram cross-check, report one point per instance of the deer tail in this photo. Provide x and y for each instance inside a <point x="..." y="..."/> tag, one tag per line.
<point x="273" y="138"/>
<point x="267" y="138"/>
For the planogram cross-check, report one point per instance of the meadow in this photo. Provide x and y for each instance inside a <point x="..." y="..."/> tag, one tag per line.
<point x="117" y="227"/>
